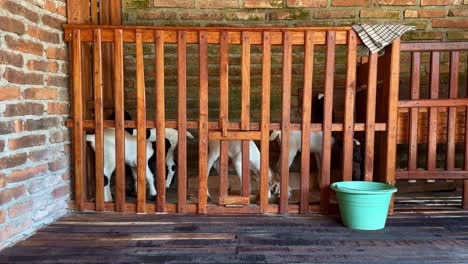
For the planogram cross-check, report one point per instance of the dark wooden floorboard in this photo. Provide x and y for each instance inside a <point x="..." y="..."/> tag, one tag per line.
<point x="115" y="238"/>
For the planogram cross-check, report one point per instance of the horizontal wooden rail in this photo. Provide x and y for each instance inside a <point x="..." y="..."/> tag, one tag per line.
<point x="431" y="46"/>
<point x="431" y="175"/>
<point x="433" y="103"/>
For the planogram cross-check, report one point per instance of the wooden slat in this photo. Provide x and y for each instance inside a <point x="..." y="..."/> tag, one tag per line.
<point x="432" y="127"/>
<point x="452" y="114"/>
<point x="265" y="121"/>
<point x="327" y="121"/>
<point x="160" y="124"/>
<point x="431" y="46"/>
<point x="98" y="118"/>
<point x="119" y="122"/>
<point x="94" y="12"/>
<point x="235" y="135"/>
<point x="306" y="117"/>
<point x="433" y="103"/>
<point x="285" y="120"/>
<point x="348" y="125"/>
<point x="78" y="142"/>
<point x="370" y="118"/>
<point x="223" y="112"/>
<point x="245" y="112"/>
<point x="235" y="200"/>
<point x="182" y="120"/>
<point x="431" y="175"/>
<point x="74" y="12"/>
<point x="116" y="12"/>
<point x="414" y="112"/>
<point x="203" y="125"/>
<point x="141" y="126"/>
<point x="392" y="112"/>
<point x="465" y="165"/>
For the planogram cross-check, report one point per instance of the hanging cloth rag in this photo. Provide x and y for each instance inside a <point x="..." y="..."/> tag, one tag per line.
<point x="377" y="37"/>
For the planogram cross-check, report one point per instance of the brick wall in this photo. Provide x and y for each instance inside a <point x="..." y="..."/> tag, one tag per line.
<point x="34" y="102"/>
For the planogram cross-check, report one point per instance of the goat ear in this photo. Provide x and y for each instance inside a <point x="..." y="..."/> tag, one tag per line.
<point x="320" y="96"/>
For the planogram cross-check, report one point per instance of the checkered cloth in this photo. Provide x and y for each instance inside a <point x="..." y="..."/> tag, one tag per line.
<point x="377" y="37"/>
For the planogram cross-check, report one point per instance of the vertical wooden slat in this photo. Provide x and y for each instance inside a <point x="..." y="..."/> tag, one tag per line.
<point x="433" y="112"/>
<point x="306" y="117"/>
<point x="119" y="122"/>
<point x="182" y="120"/>
<point x="223" y="112"/>
<point x="116" y="12"/>
<point x="94" y="12"/>
<point x="160" y="123"/>
<point x="414" y="112"/>
<point x="141" y="125"/>
<point x="203" y="128"/>
<point x="392" y="111"/>
<point x="98" y="119"/>
<point x="348" y="126"/>
<point x="370" y="117"/>
<point x="465" y="182"/>
<point x="74" y="12"/>
<point x="452" y="114"/>
<point x="285" y="120"/>
<point x="78" y="143"/>
<point x="327" y="121"/>
<point x="245" y="112"/>
<point x="265" y="121"/>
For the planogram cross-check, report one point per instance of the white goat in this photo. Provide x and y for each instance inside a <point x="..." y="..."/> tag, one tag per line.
<point x="130" y="159"/>
<point x="172" y="137"/>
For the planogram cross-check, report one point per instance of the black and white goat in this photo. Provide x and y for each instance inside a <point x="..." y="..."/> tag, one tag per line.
<point x="171" y="140"/>
<point x="130" y="160"/>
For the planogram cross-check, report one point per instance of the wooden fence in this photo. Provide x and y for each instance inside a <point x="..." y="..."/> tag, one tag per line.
<point x="223" y="130"/>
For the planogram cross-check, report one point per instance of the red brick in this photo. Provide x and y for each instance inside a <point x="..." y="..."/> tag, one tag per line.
<point x="53" y="22"/>
<point x="10" y="93"/>
<point x="24" y="109"/>
<point x="262" y="3"/>
<point x="60" y="163"/>
<point x="201" y="16"/>
<point x="44" y="154"/>
<point x="380" y="14"/>
<point x="421" y="35"/>
<point x="59" y="136"/>
<point x="14" y="228"/>
<point x="2" y="180"/>
<point x="45" y="66"/>
<point x="41" y="124"/>
<point x="8" y="127"/>
<point x="246" y="16"/>
<point x="174" y="3"/>
<point x="292" y="14"/>
<point x="26" y="142"/>
<point x="26" y="174"/>
<point x="56" y="53"/>
<point x="411" y="13"/>
<point x="324" y="14"/>
<point x="12" y="25"/>
<point x="219" y="4"/>
<point x="60" y="192"/>
<point x="439" y="2"/>
<point x="19" y="209"/>
<point x="40" y="93"/>
<point x="44" y="35"/>
<point x="55" y="7"/>
<point x="2" y="216"/>
<point x="449" y="23"/>
<point x="19" y="10"/>
<point x="156" y="14"/>
<point x="10" y="58"/>
<point x="2" y="145"/>
<point x="21" y="77"/>
<point x="457" y="35"/>
<point x="57" y="81"/>
<point x="7" y="195"/>
<point x="432" y="13"/>
<point x="394" y="2"/>
<point x="307" y="3"/>
<point x="58" y="108"/>
<point x="458" y="12"/>
<point x="66" y="176"/>
<point x="25" y="46"/>
<point x="360" y="3"/>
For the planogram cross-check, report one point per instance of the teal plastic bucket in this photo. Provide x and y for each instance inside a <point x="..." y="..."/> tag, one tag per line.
<point x="363" y="205"/>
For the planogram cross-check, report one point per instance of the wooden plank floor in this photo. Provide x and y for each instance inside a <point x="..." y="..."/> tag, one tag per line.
<point x="113" y="238"/>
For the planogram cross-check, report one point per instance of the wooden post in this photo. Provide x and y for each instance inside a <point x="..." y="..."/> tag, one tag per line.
<point x="245" y="113"/>
<point x="452" y="114"/>
<point x="182" y="120"/>
<point x="98" y="121"/>
<point x="370" y="117"/>
<point x="160" y="123"/>
<point x="203" y="125"/>
<point x="265" y="121"/>
<point x="223" y="113"/>
<point x="141" y="125"/>
<point x="433" y="112"/>
<point x="414" y="112"/>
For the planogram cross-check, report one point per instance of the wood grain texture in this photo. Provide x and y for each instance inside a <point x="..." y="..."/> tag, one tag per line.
<point x="327" y="122"/>
<point x="119" y="109"/>
<point x="452" y="114"/>
<point x="265" y="121"/>
<point x="160" y="123"/>
<point x="432" y="128"/>
<point x="98" y="118"/>
<point x="141" y="126"/>
<point x="350" y="93"/>
<point x="370" y="118"/>
<point x="245" y="112"/>
<point x="203" y="125"/>
<point x="182" y="120"/>
<point x="285" y="120"/>
<point x="224" y="82"/>
<point x="306" y="117"/>
<point x="414" y="112"/>
<point x="78" y="141"/>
